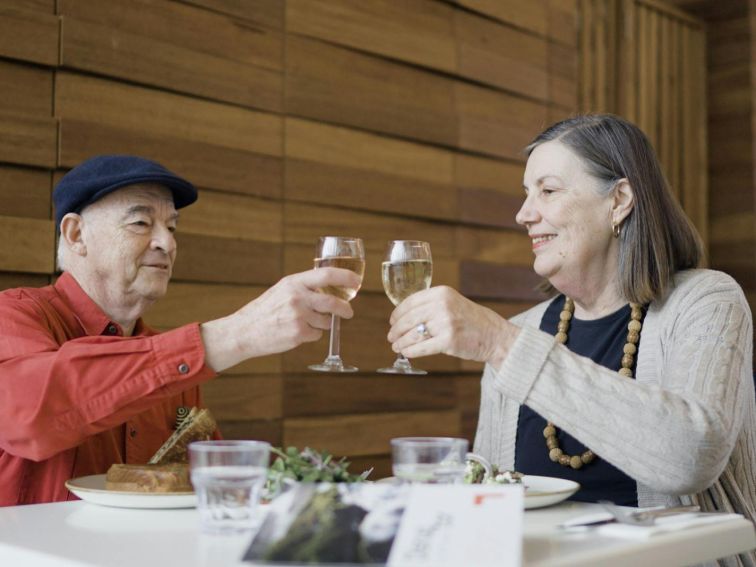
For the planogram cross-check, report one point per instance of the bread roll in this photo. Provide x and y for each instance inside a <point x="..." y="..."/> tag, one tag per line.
<point x="173" y="477"/>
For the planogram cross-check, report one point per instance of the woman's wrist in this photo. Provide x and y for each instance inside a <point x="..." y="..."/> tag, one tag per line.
<point x="503" y="339"/>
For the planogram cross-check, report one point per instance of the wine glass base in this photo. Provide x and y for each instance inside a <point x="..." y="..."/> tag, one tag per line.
<point x="331" y="367"/>
<point x="395" y="370"/>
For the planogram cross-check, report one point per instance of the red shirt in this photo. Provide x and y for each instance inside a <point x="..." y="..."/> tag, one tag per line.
<point x="76" y="396"/>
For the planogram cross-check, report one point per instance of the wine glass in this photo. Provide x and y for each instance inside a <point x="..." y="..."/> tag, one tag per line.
<point x="339" y="252"/>
<point x="407" y="268"/>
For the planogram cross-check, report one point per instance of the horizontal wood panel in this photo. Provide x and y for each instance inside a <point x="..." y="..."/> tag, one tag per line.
<point x="488" y="207"/>
<point x="97" y="48"/>
<point x="339" y="186"/>
<point x="475" y="172"/>
<point x="185" y="30"/>
<point x="367" y="434"/>
<point x="189" y="302"/>
<point x="343" y="87"/>
<point x="563" y="75"/>
<point x="416" y="31"/>
<point x="494" y="281"/>
<point x="563" y="21"/>
<point x="363" y="342"/>
<point x="45" y="6"/>
<point x="244" y="397"/>
<point x="28" y="35"/>
<point x="496" y="54"/>
<point x="27" y="141"/>
<point x="26" y="90"/>
<point x="299" y="257"/>
<point x="226" y="260"/>
<point x="110" y="103"/>
<point x="303" y="224"/>
<point x="24" y="192"/>
<point x="496" y="123"/>
<point x="269" y="13"/>
<point x="495" y="246"/>
<point x="270" y="430"/>
<point x="734" y="227"/>
<point x="372" y="153"/>
<point x="328" y="394"/>
<point x="26" y="245"/>
<point x="234" y="216"/>
<point x="531" y="15"/>
<point x="11" y="280"/>
<point x="205" y="165"/>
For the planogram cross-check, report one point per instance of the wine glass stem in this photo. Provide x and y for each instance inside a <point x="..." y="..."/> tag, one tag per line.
<point x="334" y="346"/>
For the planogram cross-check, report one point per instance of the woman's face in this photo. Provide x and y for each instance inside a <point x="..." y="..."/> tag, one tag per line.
<point x="568" y="219"/>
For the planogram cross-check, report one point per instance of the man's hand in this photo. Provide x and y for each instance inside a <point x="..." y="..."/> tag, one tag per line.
<point x="288" y="314"/>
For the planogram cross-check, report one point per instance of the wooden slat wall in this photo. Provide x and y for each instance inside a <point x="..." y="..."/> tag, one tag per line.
<point x="645" y="60"/>
<point x="295" y="119"/>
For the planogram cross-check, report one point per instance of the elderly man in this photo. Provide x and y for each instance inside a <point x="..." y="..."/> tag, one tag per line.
<point x="84" y="383"/>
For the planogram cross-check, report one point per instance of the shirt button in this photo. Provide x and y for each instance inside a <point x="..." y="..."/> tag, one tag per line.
<point x="112" y="330"/>
<point x="183" y="368"/>
<point x="133" y="432"/>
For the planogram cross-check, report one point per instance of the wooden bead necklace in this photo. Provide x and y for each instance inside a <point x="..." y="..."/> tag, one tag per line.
<point x="633" y="336"/>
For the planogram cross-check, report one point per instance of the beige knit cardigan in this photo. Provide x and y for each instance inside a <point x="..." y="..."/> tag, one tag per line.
<point x="684" y="429"/>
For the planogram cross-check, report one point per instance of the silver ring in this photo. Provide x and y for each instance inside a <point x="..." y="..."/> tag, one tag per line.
<point x="423" y="331"/>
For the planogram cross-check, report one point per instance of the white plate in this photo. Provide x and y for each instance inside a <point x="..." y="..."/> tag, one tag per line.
<point x="543" y="491"/>
<point x="92" y="489"/>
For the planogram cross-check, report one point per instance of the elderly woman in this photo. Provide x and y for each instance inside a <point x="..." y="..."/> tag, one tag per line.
<point x="636" y="379"/>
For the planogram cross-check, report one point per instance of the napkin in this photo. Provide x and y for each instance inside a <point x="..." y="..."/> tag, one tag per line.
<point x="665" y="524"/>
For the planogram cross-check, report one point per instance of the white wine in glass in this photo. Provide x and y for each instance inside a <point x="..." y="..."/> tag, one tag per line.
<point x="347" y="253"/>
<point x="407" y="268"/>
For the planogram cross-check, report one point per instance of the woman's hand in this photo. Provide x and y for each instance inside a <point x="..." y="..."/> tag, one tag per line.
<point x="455" y="325"/>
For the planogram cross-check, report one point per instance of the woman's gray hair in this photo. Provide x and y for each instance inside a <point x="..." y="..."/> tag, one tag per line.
<point x="657" y="239"/>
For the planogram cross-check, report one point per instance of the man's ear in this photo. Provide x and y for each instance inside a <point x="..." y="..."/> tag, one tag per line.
<point x="71" y="230"/>
<point x="623" y="201"/>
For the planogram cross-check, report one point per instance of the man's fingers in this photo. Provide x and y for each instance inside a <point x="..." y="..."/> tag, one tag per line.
<point x="322" y="277"/>
<point x="325" y="303"/>
<point x="319" y="321"/>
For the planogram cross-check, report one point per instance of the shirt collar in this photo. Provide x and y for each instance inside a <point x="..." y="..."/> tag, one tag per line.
<point x="90" y="316"/>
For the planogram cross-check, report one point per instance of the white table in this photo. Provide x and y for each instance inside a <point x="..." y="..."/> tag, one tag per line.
<point x="79" y="534"/>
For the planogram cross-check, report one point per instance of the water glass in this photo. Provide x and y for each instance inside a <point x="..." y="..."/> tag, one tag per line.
<point x="228" y="477"/>
<point x="430" y="460"/>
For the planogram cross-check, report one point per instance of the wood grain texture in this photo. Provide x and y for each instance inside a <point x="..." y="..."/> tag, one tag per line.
<point x="25" y="90"/>
<point x="475" y="172"/>
<point x="268" y="13"/>
<point x="245" y="397"/>
<point x="498" y="55"/>
<point x="495" y="246"/>
<point x="486" y="280"/>
<point x="226" y="260"/>
<point x="336" y="85"/>
<point x="377" y="393"/>
<point x="26" y="245"/>
<point x="24" y="192"/>
<point x="530" y="15"/>
<point x="27" y="140"/>
<point x="495" y="123"/>
<point x="367" y="434"/>
<point x="10" y="280"/>
<point x="270" y="430"/>
<point x="28" y="34"/>
<point x="415" y="31"/>
<point x="78" y="97"/>
<point x="175" y="47"/>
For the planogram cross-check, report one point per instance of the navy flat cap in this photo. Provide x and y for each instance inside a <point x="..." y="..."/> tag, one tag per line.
<point x="98" y="176"/>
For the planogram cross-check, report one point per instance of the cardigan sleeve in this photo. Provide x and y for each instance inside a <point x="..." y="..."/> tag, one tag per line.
<point x="674" y="433"/>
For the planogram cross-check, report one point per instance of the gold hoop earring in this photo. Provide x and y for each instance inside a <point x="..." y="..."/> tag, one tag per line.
<point x="616" y="228"/>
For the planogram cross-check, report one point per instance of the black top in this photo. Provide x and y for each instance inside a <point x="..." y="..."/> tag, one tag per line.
<point x="602" y="340"/>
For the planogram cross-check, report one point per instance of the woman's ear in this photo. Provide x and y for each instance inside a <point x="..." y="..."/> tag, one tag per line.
<point x="623" y="201"/>
<point x="71" y="232"/>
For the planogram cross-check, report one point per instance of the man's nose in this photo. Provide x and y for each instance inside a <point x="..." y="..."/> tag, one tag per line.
<point x="163" y="239"/>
